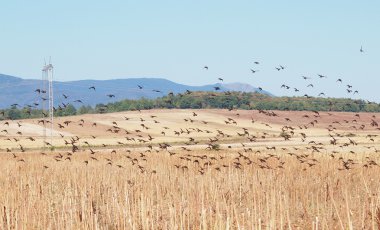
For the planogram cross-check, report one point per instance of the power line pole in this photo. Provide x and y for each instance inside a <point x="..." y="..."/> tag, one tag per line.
<point x="47" y="77"/>
<point x="43" y="104"/>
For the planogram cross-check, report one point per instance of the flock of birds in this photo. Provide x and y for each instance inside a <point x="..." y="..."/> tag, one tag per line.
<point x="66" y="99"/>
<point x="243" y="155"/>
<point x="240" y="155"/>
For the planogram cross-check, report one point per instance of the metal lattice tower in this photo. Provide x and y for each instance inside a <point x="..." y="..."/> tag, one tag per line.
<point x="47" y="78"/>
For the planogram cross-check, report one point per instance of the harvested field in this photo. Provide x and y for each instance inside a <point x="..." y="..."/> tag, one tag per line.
<point x="240" y="175"/>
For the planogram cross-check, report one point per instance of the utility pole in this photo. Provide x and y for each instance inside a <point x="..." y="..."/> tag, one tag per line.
<point x="47" y="77"/>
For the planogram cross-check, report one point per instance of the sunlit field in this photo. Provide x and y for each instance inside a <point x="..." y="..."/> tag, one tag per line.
<point x="198" y="190"/>
<point x="251" y="175"/>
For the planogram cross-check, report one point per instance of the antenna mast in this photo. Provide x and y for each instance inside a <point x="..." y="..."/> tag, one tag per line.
<point x="47" y="76"/>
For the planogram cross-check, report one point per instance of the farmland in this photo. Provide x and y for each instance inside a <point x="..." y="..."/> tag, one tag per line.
<point x="197" y="169"/>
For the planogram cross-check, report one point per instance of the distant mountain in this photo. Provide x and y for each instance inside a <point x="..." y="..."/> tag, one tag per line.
<point x="14" y="90"/>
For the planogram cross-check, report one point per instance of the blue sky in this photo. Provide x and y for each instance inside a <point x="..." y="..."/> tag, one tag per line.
<point x="175" y="39"/>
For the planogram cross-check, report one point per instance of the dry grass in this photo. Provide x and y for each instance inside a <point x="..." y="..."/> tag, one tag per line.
<point x="71" y="195"/>
<point x="257" y="180"/>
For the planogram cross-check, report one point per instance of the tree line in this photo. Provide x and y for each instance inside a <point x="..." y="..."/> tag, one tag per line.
<point x="205" y="100"/>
